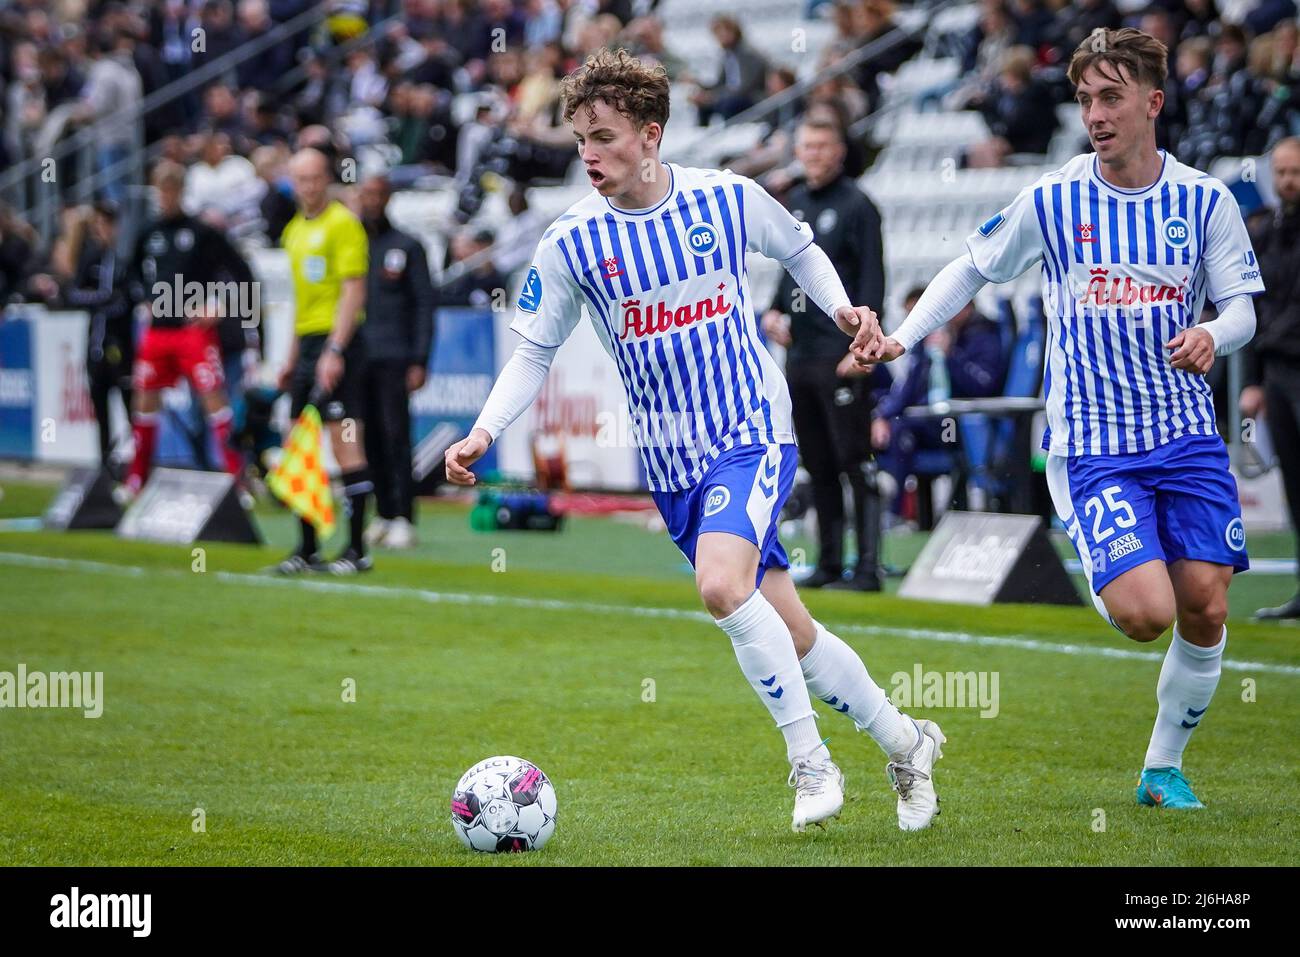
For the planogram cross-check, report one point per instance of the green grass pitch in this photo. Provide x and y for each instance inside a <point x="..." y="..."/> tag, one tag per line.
<point x="224" y="692"/>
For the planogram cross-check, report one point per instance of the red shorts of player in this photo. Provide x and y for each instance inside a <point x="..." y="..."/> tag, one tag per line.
<point x="167" y="354"/>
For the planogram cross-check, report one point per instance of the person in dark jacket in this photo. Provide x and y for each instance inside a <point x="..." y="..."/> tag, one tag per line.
<point x="262" y="70"/>
<point x="832" y="411"/>
<point x="1075" y="23"/>
<point x="877" y="18"/>
<point x="398" y="335"/>
<point x="99" y="286"/>
<point x="1272" y="360"/>
<point x="18" y="255"/>
<point x="743" y="77"/>
<point x="480" y="286"/>
<point x="1020" y="112"/>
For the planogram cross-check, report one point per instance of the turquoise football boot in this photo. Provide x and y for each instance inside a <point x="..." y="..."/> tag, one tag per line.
<point x="1167" y="788"/>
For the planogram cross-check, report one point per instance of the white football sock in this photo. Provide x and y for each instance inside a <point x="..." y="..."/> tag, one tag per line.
<point x="767" y="657"/>
<point x="1188" y="678"/>
<point x="836" y="674"/>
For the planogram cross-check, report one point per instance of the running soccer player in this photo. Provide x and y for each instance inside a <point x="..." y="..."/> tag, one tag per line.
<point x="1131" y="243"/>
<point x="656" y="254"/>
<point x="174" y="252"/>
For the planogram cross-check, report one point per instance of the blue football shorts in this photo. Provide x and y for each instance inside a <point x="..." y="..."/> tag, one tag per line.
<point x="1173" y="502"/>
<point x="742" y="492"/>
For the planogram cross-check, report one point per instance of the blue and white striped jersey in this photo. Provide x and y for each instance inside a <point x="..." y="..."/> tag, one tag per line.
<point x="667" y="292"/>
<point x="1123" y="272"/>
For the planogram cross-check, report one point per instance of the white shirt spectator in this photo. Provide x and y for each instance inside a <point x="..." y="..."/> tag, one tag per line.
<point x="231" y="187"/>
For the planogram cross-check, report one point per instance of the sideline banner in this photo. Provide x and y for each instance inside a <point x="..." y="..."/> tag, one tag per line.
<point x="461" y="372"/>
<point x="17" y="388"/>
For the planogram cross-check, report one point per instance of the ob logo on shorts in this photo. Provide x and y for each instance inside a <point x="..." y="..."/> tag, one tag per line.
<point x="1235" y="535"/>
<point x="716" y="500"/>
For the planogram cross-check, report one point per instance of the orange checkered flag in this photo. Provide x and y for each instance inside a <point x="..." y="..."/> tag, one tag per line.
<point x="299" y="480"/>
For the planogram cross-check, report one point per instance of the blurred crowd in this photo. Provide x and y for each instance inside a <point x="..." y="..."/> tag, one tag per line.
<point x="467" y="91"/>
<point x="1233" y="86"/>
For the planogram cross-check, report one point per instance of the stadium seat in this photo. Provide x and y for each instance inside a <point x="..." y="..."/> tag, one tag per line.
<point x="1024" y="380"/>
<point x="1025" y="370"/>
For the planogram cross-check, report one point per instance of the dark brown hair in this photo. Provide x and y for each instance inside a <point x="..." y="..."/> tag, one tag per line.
<point x="638" y="92"/>
<point x="1144" y="58"/>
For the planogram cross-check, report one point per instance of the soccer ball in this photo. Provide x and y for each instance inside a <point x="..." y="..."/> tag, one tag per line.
<point x="503" y="804"/>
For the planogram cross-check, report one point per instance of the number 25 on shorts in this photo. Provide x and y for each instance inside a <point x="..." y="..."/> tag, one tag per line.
<point x="1115" y="509"/>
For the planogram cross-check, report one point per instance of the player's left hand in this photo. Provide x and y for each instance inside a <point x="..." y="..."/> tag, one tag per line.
<point x="861" y="323"/>
<point x="415" y="376"/>
<point x="889" y="350"/>
<point x="329" y="369"/>
<point x="1192" y="351"/>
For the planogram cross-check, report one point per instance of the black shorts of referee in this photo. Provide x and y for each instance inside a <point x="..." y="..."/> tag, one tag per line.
<point x="346" y="401"/>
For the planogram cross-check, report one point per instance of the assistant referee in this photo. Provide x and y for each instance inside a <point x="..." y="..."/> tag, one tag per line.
<point x="328" y="259"/>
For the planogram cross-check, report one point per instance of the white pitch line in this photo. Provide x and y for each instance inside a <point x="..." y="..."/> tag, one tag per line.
<point x="560" y="604"/>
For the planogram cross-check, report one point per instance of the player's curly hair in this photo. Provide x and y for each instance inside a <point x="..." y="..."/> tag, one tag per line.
<point x="1144" y="58"/>
<point x="637" y="91"/>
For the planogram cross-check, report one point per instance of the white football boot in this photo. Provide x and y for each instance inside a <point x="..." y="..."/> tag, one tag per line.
<point x="400" y="535"/>
<point x="376" y="531"/>
<point x="818" y="791"/>
<point x="912" y="778"/>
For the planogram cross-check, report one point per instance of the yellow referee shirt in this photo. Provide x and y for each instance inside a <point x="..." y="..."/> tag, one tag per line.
<point x="323" y="251"/>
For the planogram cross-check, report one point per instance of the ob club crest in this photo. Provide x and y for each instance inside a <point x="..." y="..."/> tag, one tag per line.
<point x="702" y="239"/>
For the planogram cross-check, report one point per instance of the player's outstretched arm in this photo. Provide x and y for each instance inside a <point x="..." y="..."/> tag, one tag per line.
<point x="516" y="387"/>
<point x="945" y="296"/>
<point x="778" y="235"/>
<point x="814" y="273"/>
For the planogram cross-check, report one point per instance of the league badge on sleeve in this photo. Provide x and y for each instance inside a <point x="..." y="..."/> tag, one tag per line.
<point x="530" y="297"/>
<point x="991" y="226"/>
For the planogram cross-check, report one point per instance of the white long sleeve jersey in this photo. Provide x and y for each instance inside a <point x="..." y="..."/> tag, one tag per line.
<point x="1123" y="271"/>
<point x="667" y="292"/>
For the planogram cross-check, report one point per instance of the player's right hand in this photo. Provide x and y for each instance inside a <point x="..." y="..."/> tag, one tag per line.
<point x="1251" y="402"/>
<point x="848" y="367"/>
<point x="465" y="453"/>
<point x="284" y="378"/>
<point x="881" y="432"/>
<point x="776" y="327"/>
<point x="888" y="350"/>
